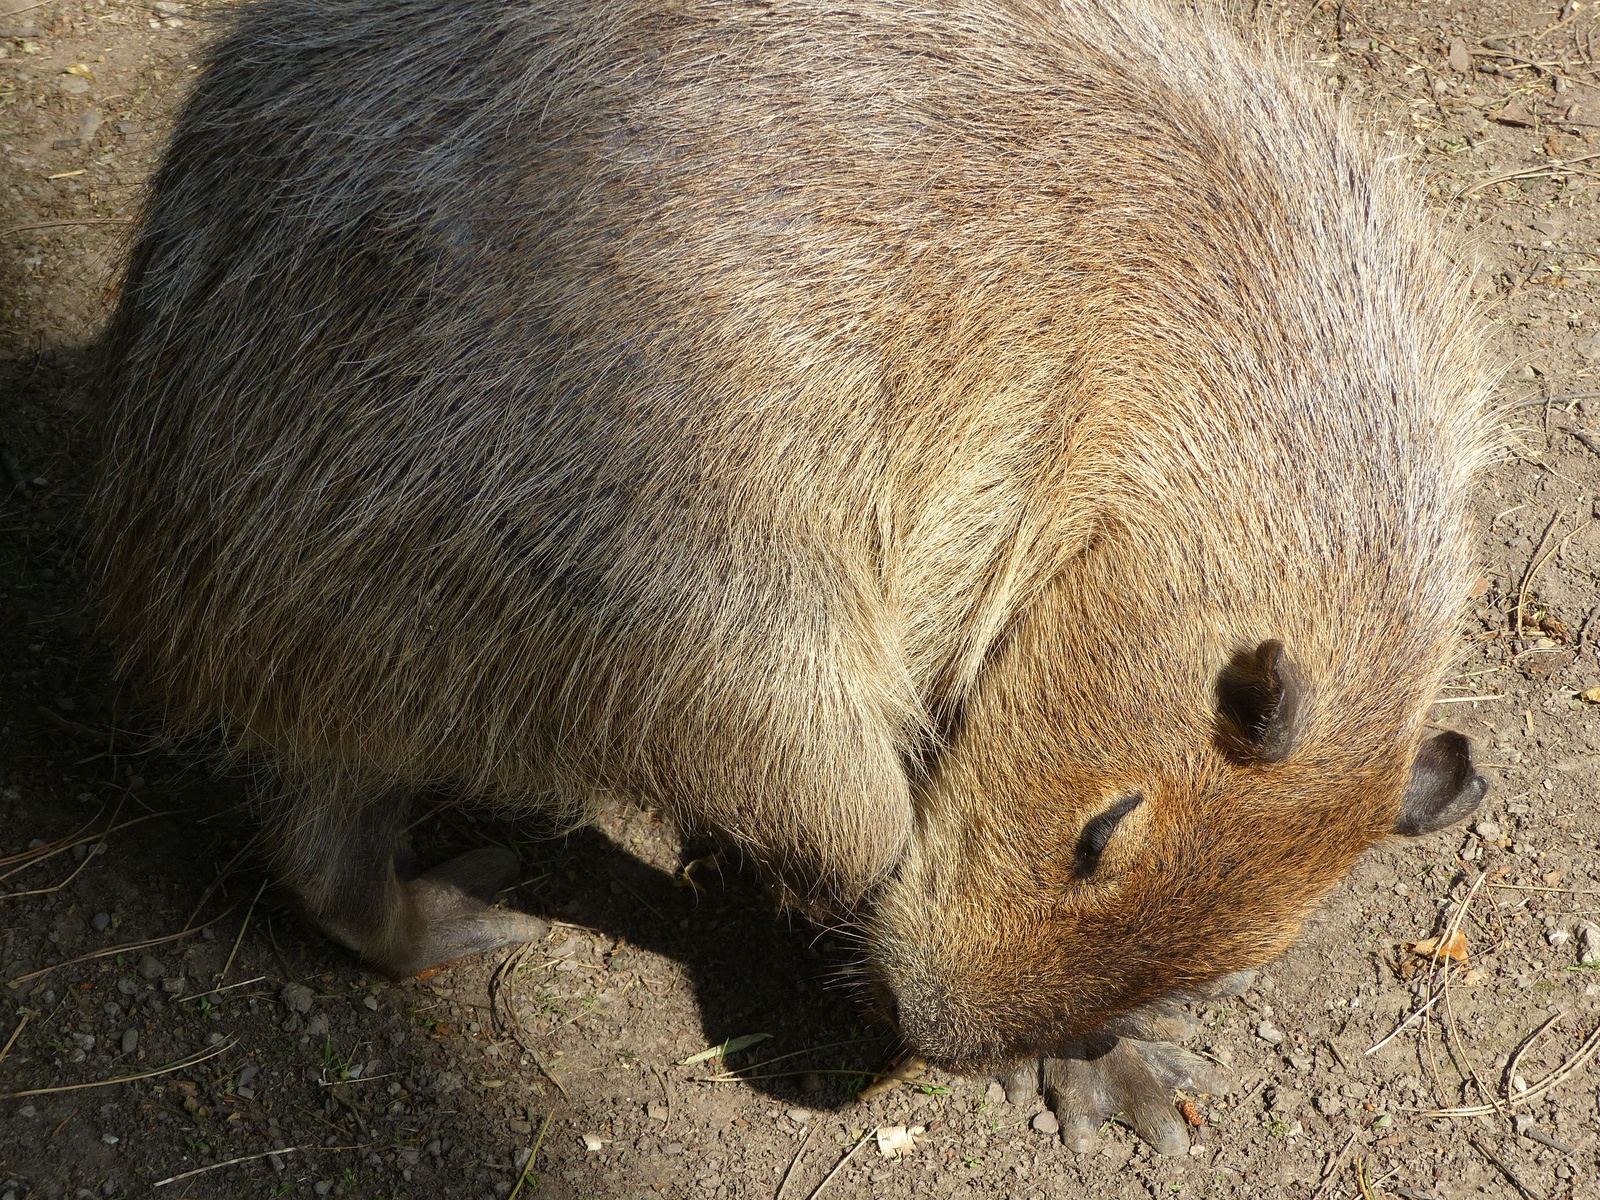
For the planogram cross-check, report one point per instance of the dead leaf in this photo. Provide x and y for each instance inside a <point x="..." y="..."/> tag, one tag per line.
<point x="1453" y="948"/>
<point x="1555" y="629"/>
<point x="896" y="1141"/>
<point x="1514" y="114"/>
<point x="81" y="70"/>
<point x="731" y="1046"/>
<point x="685" y="878"/>
<point x="1478" y="589"/>
<point x="1590" y="695"/>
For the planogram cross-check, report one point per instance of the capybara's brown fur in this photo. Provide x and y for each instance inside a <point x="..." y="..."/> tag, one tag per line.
<point x="1001" y="465"/>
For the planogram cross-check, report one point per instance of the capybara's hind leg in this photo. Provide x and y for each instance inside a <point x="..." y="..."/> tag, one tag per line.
<point x="338" y="858"/>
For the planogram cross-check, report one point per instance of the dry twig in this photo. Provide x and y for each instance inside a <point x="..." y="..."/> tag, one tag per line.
<point x="244" y="1158"/>
<point x="1335" y="1162"/>
<point x="126" y="948"/>
<point x="1511" y="1176"/>
<point x="181" y="1064"/>
<point x="804" y="1142"/>
<point x="839" y="1166"/>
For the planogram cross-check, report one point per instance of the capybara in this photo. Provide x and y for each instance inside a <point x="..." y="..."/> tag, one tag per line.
<point x="1000" y="465"/>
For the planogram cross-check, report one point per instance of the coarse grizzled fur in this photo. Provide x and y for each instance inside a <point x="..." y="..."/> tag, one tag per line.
<point x="890" y="436"/>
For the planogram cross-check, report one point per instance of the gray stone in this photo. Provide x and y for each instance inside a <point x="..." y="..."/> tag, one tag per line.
<point x="1589" y="942"/>
<point x="1046" y="1122"/>
<point x="297" y="997"/>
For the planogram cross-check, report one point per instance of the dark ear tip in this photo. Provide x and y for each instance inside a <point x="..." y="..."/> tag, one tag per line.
<point x="1258" y="697"/>
<point x="1268" y="654"/>
<point x="1444" y="786"/>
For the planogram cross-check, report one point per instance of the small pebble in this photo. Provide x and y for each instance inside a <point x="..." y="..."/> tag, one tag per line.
<point x="322" y="1187"/>
<point x="995" y="1093"/>
<point x="1487" y="830"/>
<point x="658" y="1111"/>
<point x="798" y="1115"/>
<point x="110" y="1139"/>
<point x="593" y="1143"/>
<point x="248" y="1075"/>
<point x="130" y="1040"/>
<point x="1589" y="938"/>
<point x="100" y="922"/>
<point x="1270" y="1033"/>
<point x="1459" y="59"/>
<point x="297" y="997"/>
<point x="150" y="967"/>
<point x="1046" y="1122"/>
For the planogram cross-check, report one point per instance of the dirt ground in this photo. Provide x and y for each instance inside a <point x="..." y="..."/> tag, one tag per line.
<point x="162" y="1016"/>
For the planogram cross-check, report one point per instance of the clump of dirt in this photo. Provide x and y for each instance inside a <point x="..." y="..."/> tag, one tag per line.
<point x="166" y="1029"/>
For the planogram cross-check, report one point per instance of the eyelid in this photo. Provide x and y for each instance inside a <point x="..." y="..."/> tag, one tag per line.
<point x="1097" y="833"/>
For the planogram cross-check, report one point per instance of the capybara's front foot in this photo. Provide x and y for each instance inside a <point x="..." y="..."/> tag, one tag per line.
<point x="1110" y="1076"/>
<point x="450" y="914"/>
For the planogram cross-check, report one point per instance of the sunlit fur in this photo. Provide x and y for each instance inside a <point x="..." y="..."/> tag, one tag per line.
<point x="861" y="428"/>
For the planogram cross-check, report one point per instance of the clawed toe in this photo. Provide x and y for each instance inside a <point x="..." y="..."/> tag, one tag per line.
<point x="1127" y="1076"/>
<point x="449" y="915"/>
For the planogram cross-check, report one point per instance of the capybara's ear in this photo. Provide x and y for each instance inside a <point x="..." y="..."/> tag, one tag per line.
<point x="1258" y="695"/>
<point x="1444" y="786"/>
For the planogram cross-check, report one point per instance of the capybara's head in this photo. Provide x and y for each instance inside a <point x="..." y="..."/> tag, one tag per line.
<point x="1063" y="888"/>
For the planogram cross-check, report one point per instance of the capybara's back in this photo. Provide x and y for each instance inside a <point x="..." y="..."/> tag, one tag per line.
<point x="1001" y="465"/>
